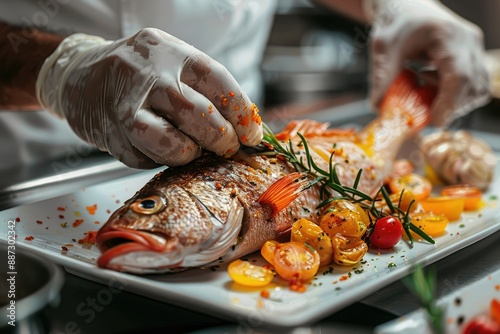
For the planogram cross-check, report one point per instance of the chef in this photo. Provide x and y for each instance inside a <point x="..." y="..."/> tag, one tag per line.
<point x="156" y="82"/>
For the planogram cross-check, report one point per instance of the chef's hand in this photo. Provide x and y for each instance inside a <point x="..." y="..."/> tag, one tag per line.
<point x="404" y="30"/>
<point x="149" y="99"/>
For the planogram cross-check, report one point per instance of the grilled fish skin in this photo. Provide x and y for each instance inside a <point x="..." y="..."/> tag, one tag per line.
<point x="208" y="211"/>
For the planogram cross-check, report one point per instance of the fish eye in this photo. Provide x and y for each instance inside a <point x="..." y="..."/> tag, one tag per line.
<point x="148" y="205"/>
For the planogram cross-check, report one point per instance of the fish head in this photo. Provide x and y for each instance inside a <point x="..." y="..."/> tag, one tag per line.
<point x="169" y="230"/>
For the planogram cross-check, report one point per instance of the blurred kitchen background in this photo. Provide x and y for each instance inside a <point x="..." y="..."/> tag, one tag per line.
<point x="316" y="64"/>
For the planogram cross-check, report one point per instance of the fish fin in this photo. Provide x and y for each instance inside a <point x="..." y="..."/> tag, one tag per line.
<point x="306" y="127"/>
<point x="406" y="95"/>
<point x="284" y="191"/>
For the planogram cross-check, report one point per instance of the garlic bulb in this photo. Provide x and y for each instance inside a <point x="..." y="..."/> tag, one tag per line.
<point x="458" y="157"/>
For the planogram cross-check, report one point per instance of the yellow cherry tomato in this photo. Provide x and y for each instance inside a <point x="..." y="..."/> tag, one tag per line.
<point x="471" y="195"/>
<point x="451" y="207"/>
<point x="348" y="252"/>
<point x="432" y="224"/>
<point x="268" y="249"/>
<point x="248" y="274"/>
<point x="295" y="262"/>
<point x="420" y="186"/>
<point x="345" y="218"/>
<point x="403" y="200"/>
<point x="306" y="231"/>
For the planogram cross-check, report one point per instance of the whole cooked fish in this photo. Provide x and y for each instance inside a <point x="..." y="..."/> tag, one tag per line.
<point x="209" y="211"/>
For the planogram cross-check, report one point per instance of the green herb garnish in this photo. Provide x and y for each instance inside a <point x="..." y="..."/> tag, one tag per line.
<point x="423" y="286"/>
<point x="329" y="181"/>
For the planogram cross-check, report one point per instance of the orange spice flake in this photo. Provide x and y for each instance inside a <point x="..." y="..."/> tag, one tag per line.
<point x="344" y="278"/>
<point x="60" y="208"/>
<point x="297" y="287"/>
<point x="268" y="146"/>
<point x="202" y="114"/>
<point x="231" y="94"/>
<point x="222" y="129"/>
<point x="89" y="238"/>
<point x="91" y="209"/>
<point x="29" y="238"/>
<point x="497" y="287"/>
<point x="210" y="109"/>
<point x="260" y="303"/>
<point x="244" y="121"/>
<point x="265" y="293"/>
<point x="236" y="108"/>
<point x="77" y="222"/>
<point x="255" y="114"/>
<point x="224" y="102"/>
<point x="244" y="139"/>
<point x="218" y="186"/>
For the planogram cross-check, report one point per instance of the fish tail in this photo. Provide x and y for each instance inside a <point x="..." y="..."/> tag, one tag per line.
<point x="408" y="98"/>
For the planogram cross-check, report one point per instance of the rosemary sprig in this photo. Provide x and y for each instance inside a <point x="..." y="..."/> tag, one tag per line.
<point x="329" y="180"/>
<point x="422" y="285"/>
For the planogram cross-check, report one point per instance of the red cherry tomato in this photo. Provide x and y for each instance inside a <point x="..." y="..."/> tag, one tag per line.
<point x="482" y="324"/>
<point x="386" y="233"/>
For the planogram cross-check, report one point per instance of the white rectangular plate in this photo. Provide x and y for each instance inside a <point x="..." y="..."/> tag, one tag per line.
<point x="212" y="291"/>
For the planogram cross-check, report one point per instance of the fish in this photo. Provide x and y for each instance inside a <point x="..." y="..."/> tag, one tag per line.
<point x="217" y="209"/>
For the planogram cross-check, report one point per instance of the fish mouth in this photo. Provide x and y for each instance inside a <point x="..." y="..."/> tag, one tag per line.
<point x="136" y="251"/>
<point x="143" y="252"/>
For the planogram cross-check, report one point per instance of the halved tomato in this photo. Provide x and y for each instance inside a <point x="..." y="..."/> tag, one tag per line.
<point x="451" y="207"/>
<point x="472" y="195"/>
<point x="348" y="251"/>
<point x="419" y="186"/>
<point x="295" y="261"/>
<point x="432" y="224"/>
<point x="248" y="274"/>
<point x="403" y="200"/>
<point x="268" y="249"/>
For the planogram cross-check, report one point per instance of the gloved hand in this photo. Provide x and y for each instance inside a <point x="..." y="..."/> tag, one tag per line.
<point x="404" y="30"/>
<point x="147" y="100"/>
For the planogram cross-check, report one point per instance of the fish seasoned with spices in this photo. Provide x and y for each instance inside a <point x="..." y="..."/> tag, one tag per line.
<point x="217" y="209"/>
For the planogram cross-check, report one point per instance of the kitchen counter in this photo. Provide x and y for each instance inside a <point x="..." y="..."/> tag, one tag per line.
<point x="130" y="313"/>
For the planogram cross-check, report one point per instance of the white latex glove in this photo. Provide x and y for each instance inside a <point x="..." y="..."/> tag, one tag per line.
<point x="149" y="99"/>
<point x="426" y="30"/>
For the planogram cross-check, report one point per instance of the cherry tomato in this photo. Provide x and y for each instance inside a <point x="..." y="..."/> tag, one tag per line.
<point x="402" y="200"/>
<point x="472" y="195"/>
<point x="248" y="274"/>
<point x="306" y="231"/>
<point x="386" y="233"/>
<point x="432" y="224"/>
<point x="495" y="309"/>
<point x="345" y="218"/>
<point x="294" y="261"/>
<point x="451" y="207"/>
<point x="348" y="252"/>
<point x="268" y="249"/>
<point x="482" y="324"/>
<point x="420" y="186"/>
